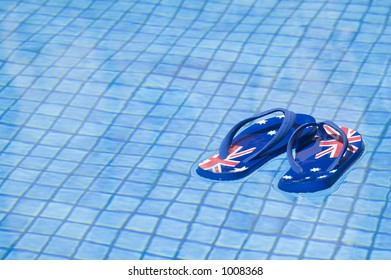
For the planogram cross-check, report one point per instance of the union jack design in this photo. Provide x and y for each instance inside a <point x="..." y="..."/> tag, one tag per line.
<point x="335" y="145"/>
<point x="215" y="163"/>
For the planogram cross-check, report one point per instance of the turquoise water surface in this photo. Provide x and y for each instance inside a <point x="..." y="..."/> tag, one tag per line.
<point x="106" y="106"/>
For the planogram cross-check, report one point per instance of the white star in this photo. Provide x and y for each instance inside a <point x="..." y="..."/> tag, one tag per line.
<point x="280" y="116"/>
<point x="262" y="122"/>
<point x="239" y="169"/>
<point x="315" y="169"/>
<point x="307" y="178"/>
<point x="323" y="176"/>
<point x="287" y="177"/>
<point x="333" y="171"/>
<point x="271" y="132"/>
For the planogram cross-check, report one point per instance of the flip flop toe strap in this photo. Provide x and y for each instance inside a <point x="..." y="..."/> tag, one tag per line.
<point x="289" y="119"/>
<point x="320" y="126"/>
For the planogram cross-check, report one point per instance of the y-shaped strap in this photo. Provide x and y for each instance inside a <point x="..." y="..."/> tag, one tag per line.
<point x="289" y="119"/>
<point x="297" y="134"/>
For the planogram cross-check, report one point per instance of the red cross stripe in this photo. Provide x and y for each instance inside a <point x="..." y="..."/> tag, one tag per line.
<point x="215" y="163"/>
<point x="335" y="145"/>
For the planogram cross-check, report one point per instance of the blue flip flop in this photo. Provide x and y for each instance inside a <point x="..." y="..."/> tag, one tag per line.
<point x="322" y="161"/>
<point x="241" y="155"/>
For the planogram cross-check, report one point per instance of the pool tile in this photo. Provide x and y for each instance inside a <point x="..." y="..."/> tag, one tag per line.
<point x="289" y="246"/>
<point x="240" y="220"/>
<point x="182" y="211"/>
<point x="32" y="242"/>
<point x="351" y="253"/>
<point x="333" y="217"/>
<point x="326" y="233"/>
<point x="363" y="222"/>
<point x="111" y="219"/>
<point x="163" y="246"/>
<point x="72" y="230"/>
<point x="121" y="254"/>
<point x="190" y="196"/>
<point x="45" y="226"/>
<point x="271" y="225"/>
<point x="153" y="207"/>
<point x="298" y="229"/>
<point x="276" y="209"/>
<point x="16" y="254"/>
<point x="383" y="241"/>
<point x="211" y="216"/>
<point x="320" y="250"/>
<point x="380" y="254"/>
<point x="123" y="203"/>
<point x="28" y="207"/>
<point x="101" y="235"/>
<point x="258" y="242"/>
<point x="94" y="199"/>
<point x="193" y="251"/>
<point x="132" y="240"/>
<point x="91" y="251"/>
<point x="15" y="188"/>
<point x="202" y="233"/>
<point x="357" y="237"/>
<point x="61" y="246"/>
<point x="15" y="222"/>
<point x="219" y="253"/>
<point x="248" y="204"/>
<point x="218" y="199"/>
<point x="83" y="215"/>
<point x="9" y="238"/>
<point x="231" y="238"/>
<point x="172" y="228"/>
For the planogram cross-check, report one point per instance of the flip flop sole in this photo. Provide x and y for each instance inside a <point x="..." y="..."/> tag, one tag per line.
<point x="249" y="141"/>
<point x="315" y="160"/>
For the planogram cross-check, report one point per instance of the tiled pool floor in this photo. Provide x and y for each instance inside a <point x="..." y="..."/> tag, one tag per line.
<point x="105" y="106"/>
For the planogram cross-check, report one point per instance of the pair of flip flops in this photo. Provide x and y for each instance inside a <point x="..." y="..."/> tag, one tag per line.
<point x="324" y="151"/>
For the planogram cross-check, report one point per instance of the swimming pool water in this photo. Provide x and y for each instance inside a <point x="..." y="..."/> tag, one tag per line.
<point x="105" y="106"/>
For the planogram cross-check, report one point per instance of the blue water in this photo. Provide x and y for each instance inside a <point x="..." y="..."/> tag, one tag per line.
<point x="105" y="107"/>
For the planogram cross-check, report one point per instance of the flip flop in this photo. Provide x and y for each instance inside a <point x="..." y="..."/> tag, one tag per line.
<point x="322" y="161"/>
<point x="241" y="155"/>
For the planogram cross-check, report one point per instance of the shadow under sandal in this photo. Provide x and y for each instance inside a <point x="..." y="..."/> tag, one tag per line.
<point x="240" y="155"/>
<point x="321" y="162"/>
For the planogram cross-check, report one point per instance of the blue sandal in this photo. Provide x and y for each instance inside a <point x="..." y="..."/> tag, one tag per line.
<point x="241" y="155"/>
<point x="316" y="168"/>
